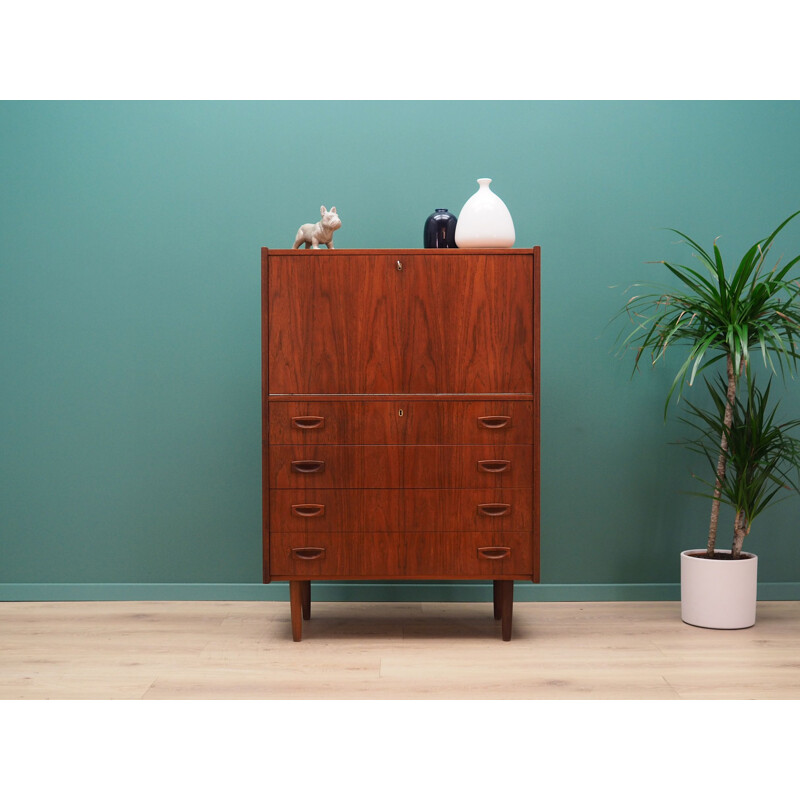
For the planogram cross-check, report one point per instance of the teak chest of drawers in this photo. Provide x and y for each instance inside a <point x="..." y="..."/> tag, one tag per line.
<point x="400" y="418"/>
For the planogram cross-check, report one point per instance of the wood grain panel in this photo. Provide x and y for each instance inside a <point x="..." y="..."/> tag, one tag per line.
<point x="536" y="323"/>
<point x="410" y="324"/>
<point x="371" y="555"/>
<point x="344" y="422"/>
<point x="343" y="509"/>
<point x="459" y="510"/>
<point x="458" y="554"/>
<point x="400" y="466"/>
<point x="345" y="555"/>
<point x="265" y="474"/>
<point x="469" y="422"/>
<point x="466" y="323"/>
<point x="413" y="510"/>
<point x="343" y="466"/>
<point x="333" y="326"/>
<point x="322" y="255"/>
<point x="466" y="466"/>
<point x="372" y="421"/>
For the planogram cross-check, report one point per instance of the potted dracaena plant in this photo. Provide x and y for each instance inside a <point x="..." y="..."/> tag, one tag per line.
<point x="718" y="317"/>
<point x="763" y="459"/>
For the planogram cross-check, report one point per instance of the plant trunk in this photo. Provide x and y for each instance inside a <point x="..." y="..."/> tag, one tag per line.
<point x="740" y="527"/>
<point x="723" y="458"/>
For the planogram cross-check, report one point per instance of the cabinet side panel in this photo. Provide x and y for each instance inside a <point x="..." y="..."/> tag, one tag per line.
<point x="265" y="413"/>
<point x="537" y="461"/>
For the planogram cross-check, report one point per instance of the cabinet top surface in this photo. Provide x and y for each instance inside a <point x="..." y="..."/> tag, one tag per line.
<point x="404" y="251"/>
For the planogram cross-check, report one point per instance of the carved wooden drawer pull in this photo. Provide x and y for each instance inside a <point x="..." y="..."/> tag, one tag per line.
<point x="494" y="509"/>
<point x="494" y="553"/>
<point x="494" y="465"/>
<point x="494" y="422"/>
<point x="308" y="553"/>
<point x="308" y="423"/>
<point x="308" y="510"/>
<point x="307" y="467"/>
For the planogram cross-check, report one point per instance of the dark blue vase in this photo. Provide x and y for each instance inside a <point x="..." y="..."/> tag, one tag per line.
<point x="440" y="229"/>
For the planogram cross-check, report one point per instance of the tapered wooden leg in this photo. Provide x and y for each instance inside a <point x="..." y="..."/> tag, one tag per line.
<point x="306" y="599"/>
<point x="497" y="594"/>
<point x="507" y="603"/>
<point x="296" y="605"/>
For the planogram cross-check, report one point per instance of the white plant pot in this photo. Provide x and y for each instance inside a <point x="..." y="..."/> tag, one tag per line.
<point x="719" y="594"/>
<point x="485" y="221"/>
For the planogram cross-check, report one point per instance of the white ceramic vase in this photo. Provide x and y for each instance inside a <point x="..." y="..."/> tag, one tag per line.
<point x="718" y="593"/>
<point x="485" y="221"/>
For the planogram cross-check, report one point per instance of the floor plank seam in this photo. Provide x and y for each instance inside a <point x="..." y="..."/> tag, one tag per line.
<point x="149" y="689"/>
<point x="673" y="688"/>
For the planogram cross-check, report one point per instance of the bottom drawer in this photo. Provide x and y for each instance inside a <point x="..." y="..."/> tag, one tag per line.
<point x="444" y="555"/>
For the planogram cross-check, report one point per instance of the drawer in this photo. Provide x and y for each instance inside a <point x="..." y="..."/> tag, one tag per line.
<point x="336" y="466"/>
<point x="400" y="422"/>
<point x="468" y="466"/>
<point x="369" y="555"/>
<point x="400" y="466"/>
<point x="467" y="510"/>
<point x="397" y="510"/>
<point x="336" y="509"/>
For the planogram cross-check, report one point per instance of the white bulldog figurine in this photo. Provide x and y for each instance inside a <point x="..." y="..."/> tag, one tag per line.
<point x="313" y="234"/>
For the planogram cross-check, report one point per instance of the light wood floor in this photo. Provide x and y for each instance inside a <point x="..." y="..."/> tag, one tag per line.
<point x="243" y="650"/>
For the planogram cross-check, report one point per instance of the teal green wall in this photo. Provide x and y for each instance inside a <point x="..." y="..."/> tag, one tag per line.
<point x="129" y="316"/>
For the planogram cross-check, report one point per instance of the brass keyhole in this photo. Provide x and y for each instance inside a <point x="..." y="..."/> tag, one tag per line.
<point x="400" y="413"/>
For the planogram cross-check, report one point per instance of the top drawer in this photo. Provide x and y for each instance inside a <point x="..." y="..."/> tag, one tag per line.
<point x="400" y="422"/>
